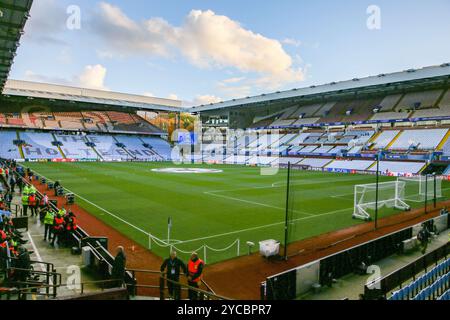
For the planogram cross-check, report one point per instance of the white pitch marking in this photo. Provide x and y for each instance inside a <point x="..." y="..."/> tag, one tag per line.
<point x="211" y="193"/>
<point x="111" y="214"/>
<point x="266" y="226"/>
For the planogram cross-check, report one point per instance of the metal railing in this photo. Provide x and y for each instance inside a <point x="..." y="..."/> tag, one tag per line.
<point x="33" y="288"/>
<point x="161" y="281"/>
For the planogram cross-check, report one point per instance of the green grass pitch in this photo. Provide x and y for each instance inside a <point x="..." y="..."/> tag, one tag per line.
<point x="213" y="209"/>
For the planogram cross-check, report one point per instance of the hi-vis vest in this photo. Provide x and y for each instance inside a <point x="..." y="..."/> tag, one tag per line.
<point x="25" y="200"/>
<point x="49" y="218"/>
<point x="26" y="190"/>
<point x="193" y="268"/>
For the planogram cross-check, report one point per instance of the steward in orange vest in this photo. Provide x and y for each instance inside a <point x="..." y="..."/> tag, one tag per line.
<point x="71" y="222"/>
<point x="195" y="274"/>
<point x="58" y="229"/>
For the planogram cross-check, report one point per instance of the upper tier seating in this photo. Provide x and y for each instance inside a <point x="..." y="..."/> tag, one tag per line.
<point x="288" y="113"/>
<point x="70" y="120"/>
<point x="427" y="139"/>
<point x="445" y="102"/>
<point x="281" y="123"/>
<point x="305" y="121"/>
<point x="96" y="121"/>
<point x="306" y="111"/>
<point x="74" y="147"/>
<point x="335" y="114"/>
<point x="390" y="116"/>
<point x="424" y="99"/>
<point x="38" y="145"/>
<point x="15" y="120"/>
<point x="32" y="120"/>
<point x="7" y="148"/>
<point x="389" y="102"/>
<point x="121" y="121"/>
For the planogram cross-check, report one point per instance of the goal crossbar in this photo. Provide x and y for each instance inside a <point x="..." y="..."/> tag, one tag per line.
<point x="390" y="194"/>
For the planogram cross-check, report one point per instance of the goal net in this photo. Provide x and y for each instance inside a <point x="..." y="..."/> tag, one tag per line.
<point x="417" y="187"/>
<point x="390" y="195"/>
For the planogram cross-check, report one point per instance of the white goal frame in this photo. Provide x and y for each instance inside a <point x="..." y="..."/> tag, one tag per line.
<point x="421" y="181"/>
<point x="360" y="210"/>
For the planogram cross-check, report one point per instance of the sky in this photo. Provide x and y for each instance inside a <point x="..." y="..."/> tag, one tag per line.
<point x="205" y="51"/>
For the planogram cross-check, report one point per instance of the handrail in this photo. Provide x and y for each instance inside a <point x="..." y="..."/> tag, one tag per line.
<point x="185" y="286"/>
<point x="134" y="271"/>
<point x="162" y="277"/>
<point x="30" y="289"/>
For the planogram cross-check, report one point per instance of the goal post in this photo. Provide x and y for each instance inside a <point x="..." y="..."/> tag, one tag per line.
<point x="390" y="195"/>
<point x="417" y="186"/>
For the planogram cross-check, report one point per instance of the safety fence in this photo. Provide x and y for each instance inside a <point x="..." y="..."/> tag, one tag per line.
<point x="379" y="288"/>
<point x="300" y="280"/>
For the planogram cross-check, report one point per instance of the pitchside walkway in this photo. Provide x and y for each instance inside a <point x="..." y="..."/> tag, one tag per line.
<point x="65" y="263"/>
<point x="351" y="286"/>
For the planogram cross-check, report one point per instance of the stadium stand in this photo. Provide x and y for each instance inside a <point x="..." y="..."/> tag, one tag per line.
<point x="39" y="145"/>
<point x="419" y="100"/>
<point x="384" y="139"/>
<point x="428" y="139"/>
<point x="350" y="165"/>
<point x="433" y="285"/>
<point x="161" y="147"/>
<point x="398" y="167"/>
<point x="74" y="146"/>
<point x="9" y="150"/>
<point x="70" y="120"/>
<point x="315" y="163"/>
<point x="135" y="147"/>
<point x="106" y="146"/>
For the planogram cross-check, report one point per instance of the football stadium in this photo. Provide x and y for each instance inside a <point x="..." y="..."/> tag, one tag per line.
<point x="335" y="191"/>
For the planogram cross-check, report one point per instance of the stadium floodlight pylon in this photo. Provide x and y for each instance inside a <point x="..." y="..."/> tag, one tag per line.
<point x="390" y="194"/>
<point x="416" y="186"/>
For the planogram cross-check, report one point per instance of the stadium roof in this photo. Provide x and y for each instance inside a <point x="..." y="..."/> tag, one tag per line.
<point x="13" y="16"/>
<point x="354" y="84"/>
<point x="51" y="92"/>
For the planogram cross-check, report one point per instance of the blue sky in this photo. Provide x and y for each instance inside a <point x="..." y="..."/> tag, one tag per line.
<point x="204" y="51"/>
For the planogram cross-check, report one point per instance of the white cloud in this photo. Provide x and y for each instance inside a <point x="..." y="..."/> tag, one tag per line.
<point x="92" y="77"/>
<point x="233" y="80"/>
<point x="206" y="99"/>
<point x="292" y="42"/>
<point x="206" y="39"/>
<point x="148" y="94"/>
<point x="172" y="96"/>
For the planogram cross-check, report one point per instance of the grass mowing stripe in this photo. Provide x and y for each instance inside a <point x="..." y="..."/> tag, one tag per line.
<point x="111" y="214"/>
